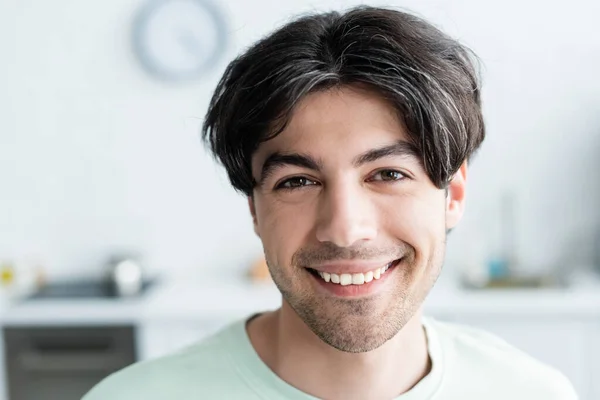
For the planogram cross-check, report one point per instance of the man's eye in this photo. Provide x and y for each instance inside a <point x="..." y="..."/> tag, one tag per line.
<point x="295" y="183"/>
<point x="388" y="175"/>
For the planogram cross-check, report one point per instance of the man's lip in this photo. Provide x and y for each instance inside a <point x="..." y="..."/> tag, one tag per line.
<point x="351" y="267"/>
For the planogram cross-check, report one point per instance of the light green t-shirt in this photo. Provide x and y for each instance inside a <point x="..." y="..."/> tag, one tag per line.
<point x="466" y="364"/>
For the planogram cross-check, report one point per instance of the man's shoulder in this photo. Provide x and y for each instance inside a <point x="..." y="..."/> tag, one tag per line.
<point x="493" y="364"/>
<point x="192" y="372"/>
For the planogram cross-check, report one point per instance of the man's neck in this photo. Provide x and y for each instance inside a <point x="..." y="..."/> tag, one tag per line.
<point x="299" y="357"/>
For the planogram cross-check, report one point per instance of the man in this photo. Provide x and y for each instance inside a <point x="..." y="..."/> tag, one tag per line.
<point x="350" y="135"/>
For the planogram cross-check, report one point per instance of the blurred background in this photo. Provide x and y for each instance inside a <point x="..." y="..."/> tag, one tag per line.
<point x="121" y="239"/>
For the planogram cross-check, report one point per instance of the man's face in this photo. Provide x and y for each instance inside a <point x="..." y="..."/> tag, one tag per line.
<point x="340" y="198"/>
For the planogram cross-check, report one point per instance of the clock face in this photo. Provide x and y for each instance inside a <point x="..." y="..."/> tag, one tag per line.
<point x="179" y="39"/>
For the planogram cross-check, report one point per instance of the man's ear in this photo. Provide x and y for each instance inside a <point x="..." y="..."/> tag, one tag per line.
<point x="253" y="213"/>
<point x="455" y="197"/>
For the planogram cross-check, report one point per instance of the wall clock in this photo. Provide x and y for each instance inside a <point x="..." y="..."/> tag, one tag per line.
<point x="179" y="40"/>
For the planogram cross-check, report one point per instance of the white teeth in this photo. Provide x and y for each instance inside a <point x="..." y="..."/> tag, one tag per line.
<point x="358" y="279"/>
<point x="355" y="279"/>
<point x="345" y="279"/>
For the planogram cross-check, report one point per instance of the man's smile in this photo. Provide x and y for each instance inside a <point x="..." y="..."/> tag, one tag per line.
<point x="346" y="283"/>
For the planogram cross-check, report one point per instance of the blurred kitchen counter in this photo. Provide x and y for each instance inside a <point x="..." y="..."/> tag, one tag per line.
<point x="207" y="300"/>
<point x="580" y="296"/>
<point x="559" y="326"/>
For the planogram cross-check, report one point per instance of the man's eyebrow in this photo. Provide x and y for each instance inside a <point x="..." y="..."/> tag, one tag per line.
<point x="400" y="148"/>
<point x="276" y="160"/>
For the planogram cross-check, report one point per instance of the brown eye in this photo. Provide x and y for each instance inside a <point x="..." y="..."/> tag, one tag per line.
<point x="388" y="175"/>
<point x="295" y="183"/>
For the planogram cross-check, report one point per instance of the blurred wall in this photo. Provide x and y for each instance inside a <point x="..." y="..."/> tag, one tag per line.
<point x="96" y="155"/>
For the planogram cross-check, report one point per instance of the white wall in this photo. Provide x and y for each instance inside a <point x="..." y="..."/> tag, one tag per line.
<point x="94" y="154"/>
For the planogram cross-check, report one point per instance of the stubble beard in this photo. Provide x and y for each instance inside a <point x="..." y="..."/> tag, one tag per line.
<point x="360" y="325"/>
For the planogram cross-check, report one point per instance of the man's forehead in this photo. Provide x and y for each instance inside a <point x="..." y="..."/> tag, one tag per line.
<point x="313" y="126"/>
<point x="343" y="106"/>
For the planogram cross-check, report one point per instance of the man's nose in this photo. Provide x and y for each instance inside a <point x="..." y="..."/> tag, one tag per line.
<point x="346" y="216"/>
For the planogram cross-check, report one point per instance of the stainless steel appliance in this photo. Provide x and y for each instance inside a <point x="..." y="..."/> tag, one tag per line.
<point x="63" y="362"/>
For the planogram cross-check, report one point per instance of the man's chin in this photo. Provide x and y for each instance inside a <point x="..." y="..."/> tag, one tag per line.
<point x="356" y="337"/>
<point x="354" y="327"/>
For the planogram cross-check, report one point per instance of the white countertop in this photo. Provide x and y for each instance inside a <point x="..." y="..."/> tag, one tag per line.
<point x="196" y="301"/>
<point x="172" y="301"/>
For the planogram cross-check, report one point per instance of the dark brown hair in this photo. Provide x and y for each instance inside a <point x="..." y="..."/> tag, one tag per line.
<point x="430" y="78"/>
